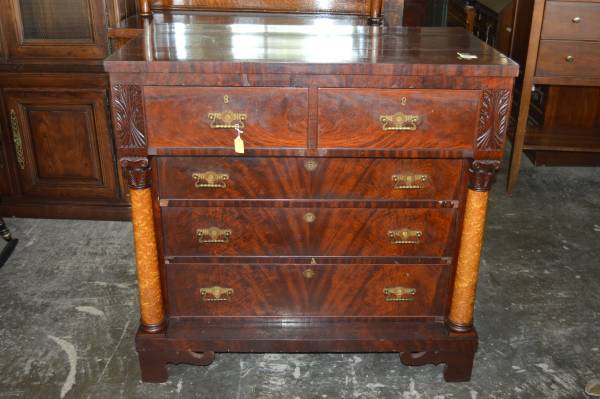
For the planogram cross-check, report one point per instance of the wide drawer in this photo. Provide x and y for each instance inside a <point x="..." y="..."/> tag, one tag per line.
<point x="571" y="20"/>
<point x="307" y="290"/>
<point x="568" y="58"/>
<point x="261" y="231"/>
<point x="394" y="118"/>
<point x="205" y="116"/>
<point x="319" y="178"/>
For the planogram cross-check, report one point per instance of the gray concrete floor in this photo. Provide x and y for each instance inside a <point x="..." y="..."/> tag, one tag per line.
<point x="68" y="314"/>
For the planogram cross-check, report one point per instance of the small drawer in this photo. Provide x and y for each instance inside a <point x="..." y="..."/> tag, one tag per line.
<point x="568" y="58"/>
<point x="364" y="290"/>
<point x="394" y="118"/>
<point x="300" y="178"/>
<point x="571" y="20"/>
<point x="205" y="116"/>
<point x="261" y="231"/>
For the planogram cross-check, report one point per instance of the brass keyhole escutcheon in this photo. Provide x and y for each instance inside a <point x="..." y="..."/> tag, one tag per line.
<point x="308" y="273"/>
<point x="309" y="217"/>
<point x="576" y="20"/>
<point x="311" y="165"/>
<point x="570" y="59"/>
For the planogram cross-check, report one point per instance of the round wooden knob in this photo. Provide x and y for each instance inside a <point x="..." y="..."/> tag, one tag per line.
<point x="569" y="58"/>
<point x="576" y="20"/>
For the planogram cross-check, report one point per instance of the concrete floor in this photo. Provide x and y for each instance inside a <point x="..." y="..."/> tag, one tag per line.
<point x="68" y="314"/>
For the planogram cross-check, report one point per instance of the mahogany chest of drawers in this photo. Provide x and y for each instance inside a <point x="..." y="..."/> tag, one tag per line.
<point x="351" y="221"/>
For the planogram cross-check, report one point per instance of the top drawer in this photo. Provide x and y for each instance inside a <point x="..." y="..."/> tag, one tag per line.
<point x="392" y="118"/>
<point x="571" y="21"/>
<point x="205" y="116"/>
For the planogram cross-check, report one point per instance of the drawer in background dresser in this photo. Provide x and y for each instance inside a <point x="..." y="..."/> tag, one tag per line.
<point x="568" y="58"/>
<point x="307" y="290"/>
<point x="261" y="231"/>
<point x="318" y="178"/>
<point x="204" y="116"/>
<point x="571" y="20"/>
<point x="394" y="118"/>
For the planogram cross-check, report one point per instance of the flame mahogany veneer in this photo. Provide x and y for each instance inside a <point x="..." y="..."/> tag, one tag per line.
<point x="339" y="227"/>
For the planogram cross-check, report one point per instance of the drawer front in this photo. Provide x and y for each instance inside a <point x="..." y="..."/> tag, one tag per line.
<point x="391" y="118"/>
<point x="204" y="116"/>
<point x="568" y="58"/>
<point x="306" y="290"/>
<point x="255" y="231"/>
<point x="571" y="21"/>
<point x="319" y="178"/>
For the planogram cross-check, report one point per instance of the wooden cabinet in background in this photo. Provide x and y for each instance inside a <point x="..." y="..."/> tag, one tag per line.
<point x="67" y="29"/>
<point x="66" y="149"/>
<point x="56" y="126"/>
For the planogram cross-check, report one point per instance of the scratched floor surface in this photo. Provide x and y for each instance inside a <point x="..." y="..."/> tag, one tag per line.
<point x="68" y="313"/>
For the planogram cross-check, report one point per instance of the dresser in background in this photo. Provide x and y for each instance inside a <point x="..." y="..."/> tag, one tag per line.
<point x="563" y="57"/>
<point x="300" y="188"/>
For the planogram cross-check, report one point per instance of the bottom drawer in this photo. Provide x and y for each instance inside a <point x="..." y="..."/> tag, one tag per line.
<point x="307" y="290"/>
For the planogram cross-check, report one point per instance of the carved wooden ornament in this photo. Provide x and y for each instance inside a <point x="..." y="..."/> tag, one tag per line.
<point x="129" y="119"/>
<point x="493" y="120"/>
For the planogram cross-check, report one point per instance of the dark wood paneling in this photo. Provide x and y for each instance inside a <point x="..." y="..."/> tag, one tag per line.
<point x="318" y="178"/>
<point x="178" y="117"/>
<point x="66" y="143"/>
<point x="351" y="118"/>
<point x="307" y="290"/>
<point x="295" y="6"/>
<point x="73" y="29"/>
<point x="285" y="232"/>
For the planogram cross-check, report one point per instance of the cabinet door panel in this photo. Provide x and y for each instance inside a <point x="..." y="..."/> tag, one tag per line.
<point x="67" y="150"/>
<point x="56" y="29"/>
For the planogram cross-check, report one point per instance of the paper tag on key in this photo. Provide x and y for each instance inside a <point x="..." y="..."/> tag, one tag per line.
<point x="238" y="142"/>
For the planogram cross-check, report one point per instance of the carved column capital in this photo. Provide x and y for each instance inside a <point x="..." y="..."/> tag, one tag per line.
<point x="137" y="172"/>
<point x="481" y="174"/>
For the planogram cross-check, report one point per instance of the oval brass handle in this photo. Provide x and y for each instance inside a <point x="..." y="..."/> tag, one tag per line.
<point x="16" y="132"/>
<point x="308" y="273"/>
<point x="409" y="181"/>
<point x="227" y="120"/>
<point x="210" y="179"/>
<point x="404" y="236"/>
<point x="399" y="294"/>
<point x="399" y="121"/>
<point x="213" y="235"/>
<point x="311" y="165"/>
<point x="309" y="217"/>
<point x="570" y="59"/>
<point x="216" y="293"/>
<point x="576" y="20"/>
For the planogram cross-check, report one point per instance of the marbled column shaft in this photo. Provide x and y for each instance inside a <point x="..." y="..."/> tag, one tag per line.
<point x="467" y="269"/>
<point x="148" y="274"/>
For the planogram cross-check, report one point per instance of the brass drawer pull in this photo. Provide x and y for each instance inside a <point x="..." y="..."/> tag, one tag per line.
<point x="576" y="20"/>
<point x="216" y="293"/>
<point x="309" y="217"/>
<point x="570" y="59"/>
<point x="308" y="273"/>
<point x="409" y="182"/>
<point x="405" y="236"/>
<point x="399" y="294"/>
<point x="213" y="235"/>
<point x="210" y="179"/>
<point x="16" y="131"/>
<point x="399" y="121"/>
<point x="227" y="120"/>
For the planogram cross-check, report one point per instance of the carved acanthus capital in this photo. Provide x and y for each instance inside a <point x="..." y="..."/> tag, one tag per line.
<point x="137" y="172"/>
<point x="481" y="174"/>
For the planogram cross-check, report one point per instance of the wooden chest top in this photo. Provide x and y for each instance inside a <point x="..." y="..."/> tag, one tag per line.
<point x="327" y="48"/>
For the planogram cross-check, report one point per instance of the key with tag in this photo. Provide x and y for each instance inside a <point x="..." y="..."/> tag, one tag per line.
<point x="238" y="142"/>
